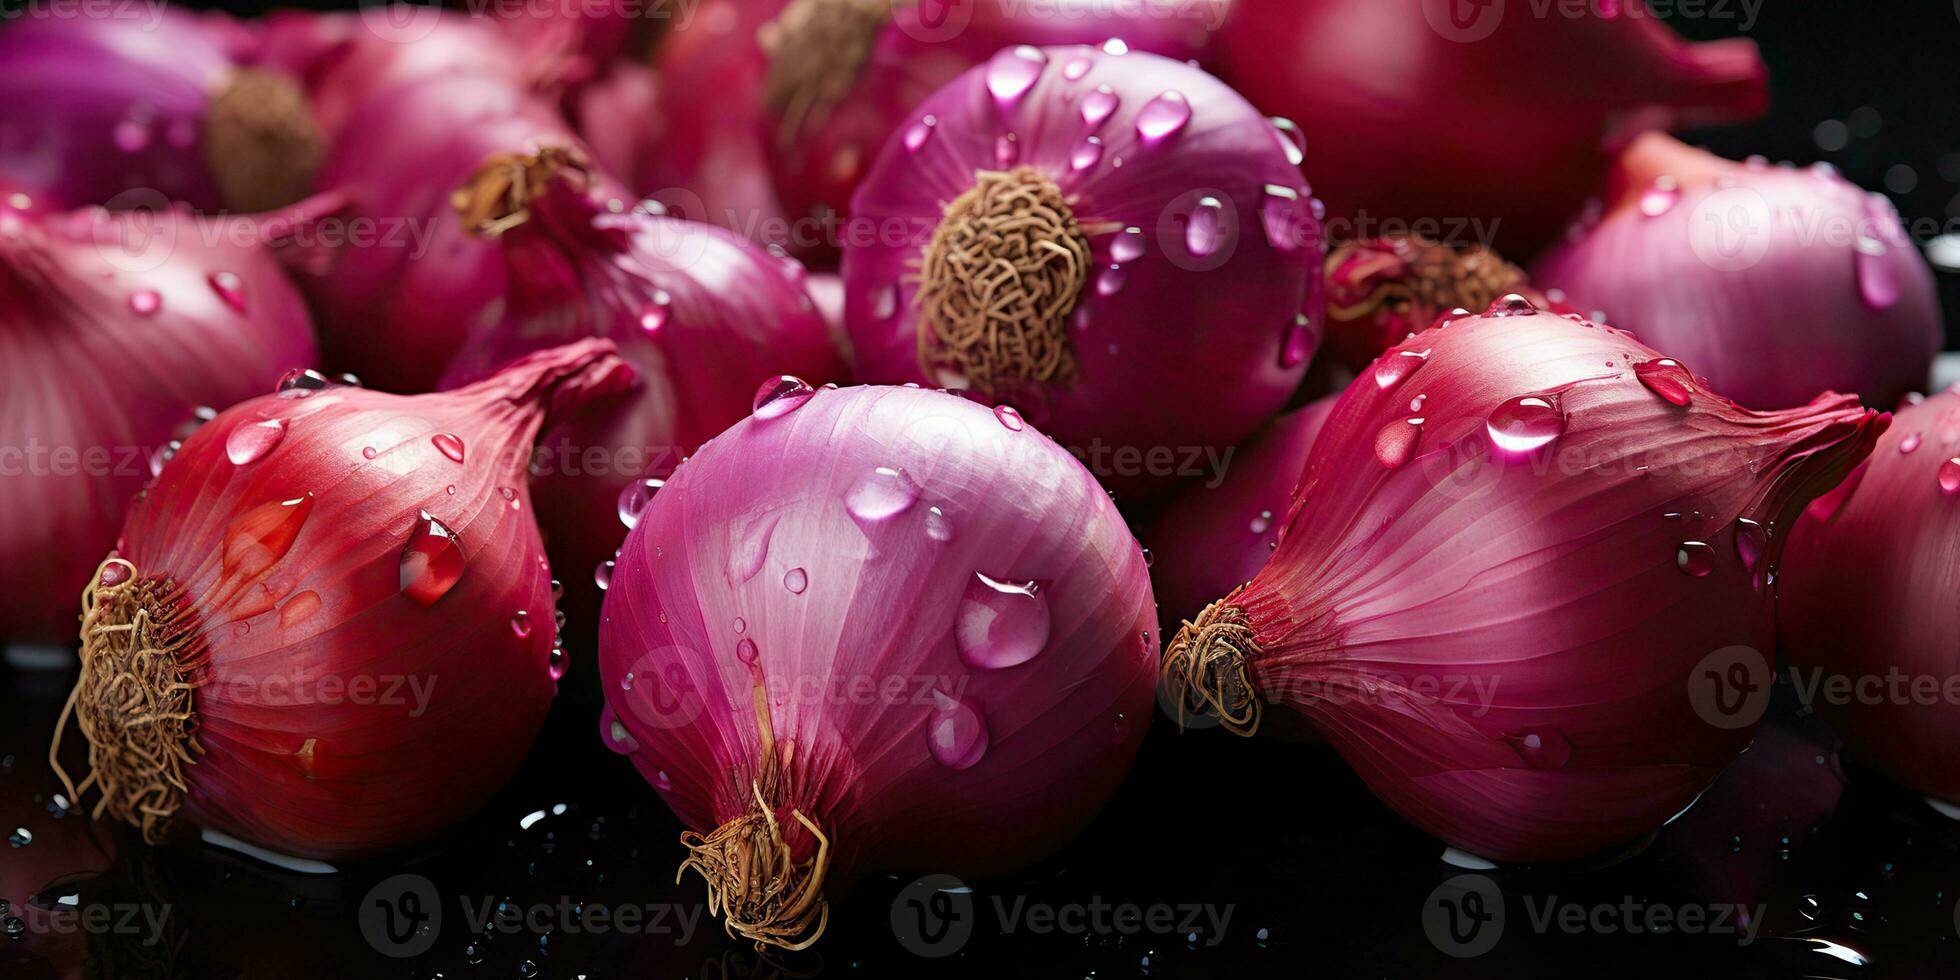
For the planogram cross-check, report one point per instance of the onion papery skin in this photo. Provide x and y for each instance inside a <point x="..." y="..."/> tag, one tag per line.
<point x="282" y="606"/>
<point x="1867" y="592"/>
<point x="1775" y="282"/>
<point x="102" y="109"/>
<point x="1505" y="643"/>
<point x="115" y="329"/>
<point x="1209" y="540"/>
<point x="1154" y="313"/>
<point x="818" y="152"/>
<point x="1395" y="134"/>
<point x="396" y="302"/>
<point x="704" y="317"/>
<point x="1381" y="290"/>
<point x="890" y="503"/>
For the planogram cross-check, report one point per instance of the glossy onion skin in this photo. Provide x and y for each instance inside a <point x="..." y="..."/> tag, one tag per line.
<point x="1394" y="133"/>
<point x="104" y="386"/>
<point x="457" y="691"/>
<point x="1153" y="338"/>
<point x="1868" y="591"/>
<point x="1774" y="282"/>
<point x="1505" y="645"/>
<point x="710" y="566"/>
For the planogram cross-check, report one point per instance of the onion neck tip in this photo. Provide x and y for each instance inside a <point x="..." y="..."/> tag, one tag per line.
<point x="1207" y="673"/>
<point x="754" y="881"/>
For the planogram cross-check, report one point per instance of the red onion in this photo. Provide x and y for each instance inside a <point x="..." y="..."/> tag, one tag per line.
<point x="1381" y="290"/>
<point x="398" y="296"/>
<point x="1165" y="240"/>
<point x="1508" y="119"/>
<point x="875" y="628"/>
<point x="115" y="330"/>
<point x="1211" y="539"/>
<point x="1866" y="605"/>
<point x="1777" y="283"/>
<point x="701" y="314"/>
<point x="98" y="106"/>
<point x="1500" y="605"/>
<point x="327" y="626"/>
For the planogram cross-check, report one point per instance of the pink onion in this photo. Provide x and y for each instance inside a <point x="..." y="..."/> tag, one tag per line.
<point x="820" y="556"/>
<point x="1777" y="283"/>
<point x="1866" y="604"/>
<point x="1381" y="290"/>
<point x="326" y="628"/>
<point x="1508" y="118"/>
<point x="1172" y="246"/>
<point x="1211" y="539"/>
<point x="158" y="102"/>
<point x="1500" y="605"/>
<point x="701" y="314"/>
<point x="399" y="291"/>
<point x="117" y="329"/>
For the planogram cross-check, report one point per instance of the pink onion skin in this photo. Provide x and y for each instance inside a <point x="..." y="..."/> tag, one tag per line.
<point x="1869" y="578"/>
<point x="398" y="302"/>
<point x="818" y="163"/>
<point x="1393" y="133"/>
<point x="725" y="316"/>
<point x="1167" y="318"/>
<point x="1788" y="307"/>
<point x="1210" y="540"/>
<point x="75" y="87"/>
<point x="1550" y="588"/>
<point x="880" y="599"/>
<point x="88" y="373"/>
<point x="346" y="778"/>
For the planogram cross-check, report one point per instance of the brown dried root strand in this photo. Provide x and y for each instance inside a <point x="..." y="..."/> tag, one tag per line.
<point x="1438" y="278"/>
<point x="498" y="196"/>
<point x="261" y="141"/>
<point x="1003" y="272"/>
<point x="1205" y="671"/>
<point x="751" y="875"/>
<point x="134" y="701"/>
<point x="816" y="49"/>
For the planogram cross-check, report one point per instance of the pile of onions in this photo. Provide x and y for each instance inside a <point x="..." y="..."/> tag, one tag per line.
<point x="400" y="291"/>
<point x="1866" y="604"/>
<point x="327" y="628"/>
<point x="1078" y="232"/>
<point x="808" y="90"/>
<point x="158" y="102"/>
<point x="1776" y="282"/>
<point x="1518" y="546"/>
<point x="1380" y="290"/>
<point x="702" y="315"/>
<point x="1508" y="118"/>
<point x="875" y="628"/>
<point x="117" y="330"/>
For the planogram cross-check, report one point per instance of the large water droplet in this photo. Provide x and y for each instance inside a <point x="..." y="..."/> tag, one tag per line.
<point x="301" y="382"/>
<point x="448" y="444"/>
<point x="1949" y="477"/>
<point x="1541" y="746"/>
<point x="749" y="548"/>
<point x="1205" y="231"/>
<point x="299" y="609"/>
<point x="1013" y="71"/>
<point x="1393" y="368"/>
<point x="956" y="733"/>
<point x="1660" y="198"/>
<point x="1098" y="105"/>
<point x="1909" y="443"/>
<point x="1878" y="283"/>
<point x="602" y="575"/>
<point x="1396" y="443"/>
<point x="796" y="580"/>
<point x="1087" y="154"/>
<point x="145" y="302"/>
<point x="261" y="536"/>
<point x="1751" y="540"/>
<point x="251" y="441"/>
<point x="1666" y="377"/>
<point x="886" y="493"/>
<point x="1162" y="117"/>
<point x="1525" y="423"/>
<point x="614" y="733"/>
<point x="634" y="497"/>
<point x="747" y="652"/>
<point x="1000" y="623"/>
<point x="432" y="562"/>
<point x="919" y="132"/>
<point x="1694" y="558"/>
<point x="781" y="395"/>
<point x="1127" y="246"/>
<point x="520" y="624"/>
<point x="1010" y="417"/>
<point x="229" y="288"/>
<point x="1301" y="339"/>
<point x="1111" y="281"/>
<point x="1076" y="68"/>
<point x="1281" y="216"/>
<point x="939" y="527"/>
<point x="1510" y="304"/>
<point x="1291" y="139"/>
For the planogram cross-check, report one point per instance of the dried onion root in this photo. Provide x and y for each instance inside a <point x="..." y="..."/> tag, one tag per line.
<point x="1206" y="672"/>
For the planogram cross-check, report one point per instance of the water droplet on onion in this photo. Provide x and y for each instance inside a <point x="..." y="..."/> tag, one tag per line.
<point x="1909" y="443"/>
<point x="1525" y="423"/>
<point x="796" y="580"/>
<point x="1127" y="246"/>
<point x="1000" y="623"/>
<point x="1111" y="281"/>
<point x="1087" y="154"/>
<point x="1010" y="417"/>
<point x="1097" y="107"/>
<point x="229" y="288"/>
<point x="1396" y="443"/>
<point x="1205" y="231"/>
<point x="1660" y="198"/>
<point x="145" y="302"/>
<point x="449" y="445"/>
<point x="1694" y="558"/>
<point x="919" y="132"/>
<point x="1751" y="540"/>
<point x="520" y="624"/>
<point x="780" y="396"/>
<point x="1393" y="368"/>
<point x="633" y="500"/>
<point x="432" y="562"/>
<point x="956" y="734"/>
<point x="883" y="494"/>
<point x="1949" y="477"/>
<point x="1013" y="71"/>
<point x="250" y="442"/>
<point x="1666" y="377"/>
<point x="1291" y="139"/>
<point x="1162" y="117"/>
